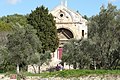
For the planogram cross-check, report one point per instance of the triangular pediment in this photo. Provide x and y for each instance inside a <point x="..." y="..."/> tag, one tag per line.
<point x="62" y="13"/>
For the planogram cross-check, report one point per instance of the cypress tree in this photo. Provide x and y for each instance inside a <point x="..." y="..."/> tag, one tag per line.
<point x="44" y="23"/>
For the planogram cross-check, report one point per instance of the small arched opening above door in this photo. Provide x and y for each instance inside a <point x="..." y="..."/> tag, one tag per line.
<point x="64" y="34"/>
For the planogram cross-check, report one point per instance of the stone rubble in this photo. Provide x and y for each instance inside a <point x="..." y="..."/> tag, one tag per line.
<point x="90" y="77"/>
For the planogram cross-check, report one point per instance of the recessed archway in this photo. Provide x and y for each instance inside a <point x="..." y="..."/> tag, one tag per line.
<point x="64" y="33"/>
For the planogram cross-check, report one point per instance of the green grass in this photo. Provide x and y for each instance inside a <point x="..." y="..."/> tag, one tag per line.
<point x="10" y="72"/>
<point x="70" y="73"/>
<point x="75" y="73"/>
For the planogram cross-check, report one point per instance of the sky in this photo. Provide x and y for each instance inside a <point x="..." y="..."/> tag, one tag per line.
<point x="85" y="7"/>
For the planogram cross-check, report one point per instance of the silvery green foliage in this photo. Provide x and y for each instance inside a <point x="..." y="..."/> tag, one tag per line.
<point x="23" y="44"/>
<point x="104" y="31"/>
<point x="102" y="48"/>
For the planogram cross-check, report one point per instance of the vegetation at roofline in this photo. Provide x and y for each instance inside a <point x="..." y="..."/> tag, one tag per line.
<point x="15" y="19"/>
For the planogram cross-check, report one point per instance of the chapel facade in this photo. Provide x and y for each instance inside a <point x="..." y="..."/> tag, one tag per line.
<point x="70" y="24"/>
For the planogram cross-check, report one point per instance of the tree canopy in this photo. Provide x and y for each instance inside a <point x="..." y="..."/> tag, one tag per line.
<point x="5" y="28"/>
<point x="22" y="44"/>
<point x="101" y="49"/>
<point x="15" y="19"/>
<point x="44" y="23"/>
<point x="104" y="30"/>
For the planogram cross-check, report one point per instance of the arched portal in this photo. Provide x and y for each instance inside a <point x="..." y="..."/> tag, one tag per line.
<point x="64" y="35"/>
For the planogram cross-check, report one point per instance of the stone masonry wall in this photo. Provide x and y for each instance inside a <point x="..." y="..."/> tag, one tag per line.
<point x="90" y="77"/>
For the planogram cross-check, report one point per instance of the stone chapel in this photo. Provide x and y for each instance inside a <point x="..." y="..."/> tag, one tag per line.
<point x="70" y="24"/>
